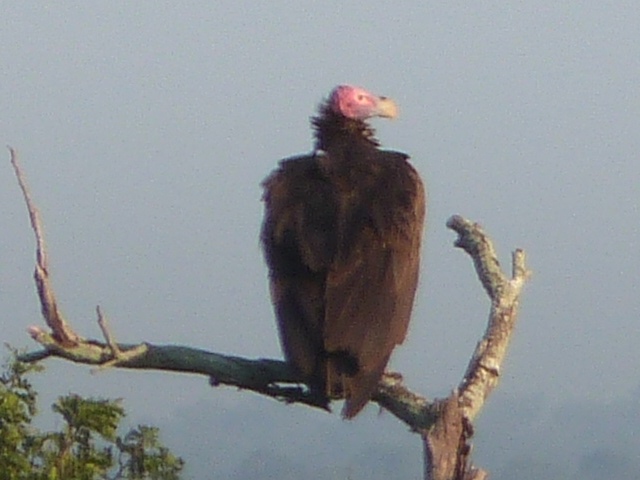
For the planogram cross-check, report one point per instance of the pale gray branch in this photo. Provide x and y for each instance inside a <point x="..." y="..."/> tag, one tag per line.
<point x="483" y="371"/>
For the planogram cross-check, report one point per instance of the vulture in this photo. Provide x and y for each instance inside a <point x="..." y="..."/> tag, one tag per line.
<point x="341" y="238"/>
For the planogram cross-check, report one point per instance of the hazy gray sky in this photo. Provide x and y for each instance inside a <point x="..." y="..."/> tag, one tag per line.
<point x="146" y="127"/>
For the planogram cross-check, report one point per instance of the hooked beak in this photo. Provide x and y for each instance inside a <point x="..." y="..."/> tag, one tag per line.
<point x="385" y="108"/>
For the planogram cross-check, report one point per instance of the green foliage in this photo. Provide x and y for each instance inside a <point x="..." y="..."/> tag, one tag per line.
<point x="17" y="408"/>
<point x="87" y="447"/>
<point x="141" y="453"/>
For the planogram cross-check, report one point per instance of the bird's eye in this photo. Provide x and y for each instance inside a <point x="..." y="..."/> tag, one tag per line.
<point x="360" y="97"/>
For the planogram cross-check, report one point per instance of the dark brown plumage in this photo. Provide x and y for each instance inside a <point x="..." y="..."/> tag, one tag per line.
<point x="341" y="237"/>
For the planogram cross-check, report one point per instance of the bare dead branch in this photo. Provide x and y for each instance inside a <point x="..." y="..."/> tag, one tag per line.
<point x="446" y="444"/>
<point x="473" y="240"/>
<point x="445" y="425"/>
<point x="483" y="371"/>
<point x="52" y="316"/>
<point x="414" y="410"/>
<point x="273" y="378"/>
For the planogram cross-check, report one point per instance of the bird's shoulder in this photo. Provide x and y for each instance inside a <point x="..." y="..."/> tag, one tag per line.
<point x="394" y="161"/>
<point x="393" y="156"/>
<point x="294" y="173"/>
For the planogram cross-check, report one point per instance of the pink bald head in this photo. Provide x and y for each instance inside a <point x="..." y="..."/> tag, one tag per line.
<point x="359" y="104"/>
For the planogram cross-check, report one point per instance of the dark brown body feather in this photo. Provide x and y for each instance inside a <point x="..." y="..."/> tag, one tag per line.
<point x="341" y="238"/>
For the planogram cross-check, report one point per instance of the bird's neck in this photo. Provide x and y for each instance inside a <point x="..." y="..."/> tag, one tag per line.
<point x="335" y="133"/>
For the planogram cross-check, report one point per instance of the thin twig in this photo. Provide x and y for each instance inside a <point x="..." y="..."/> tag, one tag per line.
<point x="102" y="322"/>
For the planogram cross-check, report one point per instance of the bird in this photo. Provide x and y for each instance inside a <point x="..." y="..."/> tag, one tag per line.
<point x="341" y="238"/>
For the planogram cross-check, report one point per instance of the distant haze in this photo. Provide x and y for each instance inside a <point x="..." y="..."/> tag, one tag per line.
<point x="145" y="129"/>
